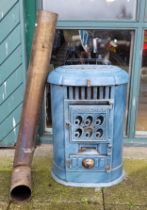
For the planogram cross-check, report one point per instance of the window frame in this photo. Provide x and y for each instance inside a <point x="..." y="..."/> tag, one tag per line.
<point x="138" y="26"/>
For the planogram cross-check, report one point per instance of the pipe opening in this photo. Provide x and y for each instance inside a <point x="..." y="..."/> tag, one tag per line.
<point x="20" y="193"/>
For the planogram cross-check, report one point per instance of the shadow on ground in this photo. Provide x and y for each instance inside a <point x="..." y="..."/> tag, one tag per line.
<point x="47" y="194"/>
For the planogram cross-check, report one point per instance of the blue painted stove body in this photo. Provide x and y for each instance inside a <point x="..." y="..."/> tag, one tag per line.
<point x="88" y="105"/>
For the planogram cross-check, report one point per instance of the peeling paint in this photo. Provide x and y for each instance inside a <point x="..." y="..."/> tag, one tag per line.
<point x="28" y="150"/>
<point x="6" y="48"/>
<point x="14" y="125"/>
<point x="5" y="88"/>
<point x="2" y="14"/>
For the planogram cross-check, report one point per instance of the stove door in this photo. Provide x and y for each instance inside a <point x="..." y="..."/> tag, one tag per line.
<point x="88" y="136"/>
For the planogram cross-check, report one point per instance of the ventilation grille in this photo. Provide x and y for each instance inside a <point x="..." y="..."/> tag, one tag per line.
<point x="87" y="93"/>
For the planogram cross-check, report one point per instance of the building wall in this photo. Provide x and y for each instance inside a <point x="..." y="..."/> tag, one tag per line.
<point x="14" y="29"/>
<point x="12" y="69"/>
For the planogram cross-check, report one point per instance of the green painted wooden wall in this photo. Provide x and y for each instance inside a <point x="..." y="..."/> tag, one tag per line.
<point x="30" y="18"/>
<point x="12" y="69"/>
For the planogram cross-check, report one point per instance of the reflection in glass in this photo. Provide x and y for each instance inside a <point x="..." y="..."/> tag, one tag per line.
<point x="92" y="9"/>
<point x="141" y="125"/>
<point x="146" y="12"/>
<point x="91" y="47"/>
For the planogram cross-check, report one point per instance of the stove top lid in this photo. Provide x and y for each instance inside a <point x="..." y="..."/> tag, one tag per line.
<point x="88" y="75"/>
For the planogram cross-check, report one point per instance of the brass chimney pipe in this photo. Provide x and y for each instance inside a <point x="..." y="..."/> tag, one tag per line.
<point x="36" y="78"/>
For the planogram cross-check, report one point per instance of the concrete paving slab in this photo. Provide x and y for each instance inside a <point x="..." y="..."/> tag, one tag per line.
<point x="5" y="173"/>
<point x="133" y="190"/>
<point x="54" y="195"/>
<point x="125" y="207"/>
<point x="4" y="205"/>
<point x="136" y="153"/>
<point x="22" y="206"/>
<point x="66" y="206"/>
<point x="47" y="194"/>
<point x="46" y="149"/>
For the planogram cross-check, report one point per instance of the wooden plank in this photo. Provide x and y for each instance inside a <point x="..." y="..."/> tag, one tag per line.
<point x="11" y="84"/>
<point x="8" y="67"/>
<point x="11" y="103"/>
<point x="9" y="22"/>
<point x="12" y="41"/>
<point x="10" y="123"/>
<point x="12" y="69"/>
<point x="6" y="7"/>
<point x="30" y="17"/>
<point x="10" y="139"/>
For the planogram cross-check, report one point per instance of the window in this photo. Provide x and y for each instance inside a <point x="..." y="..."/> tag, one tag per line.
<point x="105" y="32"/>
<point x="81" y="46"/>
<point x="141" y="125"/>
<point x="146" y="11"/>
<point x="93" y="9"/>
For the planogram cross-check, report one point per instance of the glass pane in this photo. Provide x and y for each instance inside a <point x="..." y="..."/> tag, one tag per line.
<point x="141" y="125"/>
<point x="92" y="9"/>
<point x="146" y="11"/>
<point x="91" y="47"/>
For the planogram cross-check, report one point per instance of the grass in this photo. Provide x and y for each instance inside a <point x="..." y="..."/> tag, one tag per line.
<point x="47" y="194"/>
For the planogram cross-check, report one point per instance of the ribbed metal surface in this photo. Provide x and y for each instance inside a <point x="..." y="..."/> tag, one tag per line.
<point x="83" y="93"/>
<point x="11" y="70"/>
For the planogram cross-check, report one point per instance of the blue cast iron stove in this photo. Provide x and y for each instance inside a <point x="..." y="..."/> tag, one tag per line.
<point x="88" y="104"/>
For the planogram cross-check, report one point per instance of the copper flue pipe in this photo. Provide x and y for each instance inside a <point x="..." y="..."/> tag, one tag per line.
<point x="36" y="78"/>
